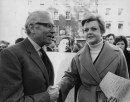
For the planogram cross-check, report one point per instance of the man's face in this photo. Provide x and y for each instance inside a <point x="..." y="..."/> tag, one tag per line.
<point x="2" y="46"/>
<point x="43" y="30"/>
<point x="92" y="32"/>
<point x="110" y="39"/>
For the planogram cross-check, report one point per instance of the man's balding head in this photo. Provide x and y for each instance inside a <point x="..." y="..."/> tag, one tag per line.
<point x="37" y="17"/>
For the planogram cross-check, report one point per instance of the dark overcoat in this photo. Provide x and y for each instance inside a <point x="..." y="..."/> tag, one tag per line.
<point x="23" y="75"/>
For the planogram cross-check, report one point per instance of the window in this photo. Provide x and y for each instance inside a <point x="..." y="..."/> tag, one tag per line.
<point x="108" y="25"/>
<point x="29" y="2"/>
<point x="81" y="15"/>
<point x="55" y="2"/>
<point x="68" y="15"/>
<point x="56" y="15"/>
<point x="108" y="11"/>
<point x="120" y="10"/>
<point x="41" y="2"/>
<point x="120" y="28"/>
<point x="108" y="28"/>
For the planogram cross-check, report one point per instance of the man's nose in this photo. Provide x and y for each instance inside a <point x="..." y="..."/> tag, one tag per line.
<point x="52" y="31"/>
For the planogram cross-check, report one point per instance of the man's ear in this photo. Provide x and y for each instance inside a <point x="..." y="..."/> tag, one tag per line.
<point x="31" y="28"/>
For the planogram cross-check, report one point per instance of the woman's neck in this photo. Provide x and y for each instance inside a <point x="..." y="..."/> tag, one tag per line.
<point x="97" y="46"/>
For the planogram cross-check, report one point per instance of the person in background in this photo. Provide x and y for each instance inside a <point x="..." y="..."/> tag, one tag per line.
<point x="3" y="45"/>
<point x="121" y="42"/>
<point x="26" y="72"/>
<point x="52" y="47"/>
<point x="18" y="40"/>
<point x="64" y="45"/>
<point x="90" y="65"/>
<point x="76" y="47"/>
<point x="110" y="38"/>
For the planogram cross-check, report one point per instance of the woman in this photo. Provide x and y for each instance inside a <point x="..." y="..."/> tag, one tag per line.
<point x="91" y="64"/>
<point x="121" y="42"/>
<point x="76" y="47"/>
<point x="64" y="45"/>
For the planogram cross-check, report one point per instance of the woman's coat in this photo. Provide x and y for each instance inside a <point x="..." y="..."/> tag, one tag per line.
<point x="90" y="75"/>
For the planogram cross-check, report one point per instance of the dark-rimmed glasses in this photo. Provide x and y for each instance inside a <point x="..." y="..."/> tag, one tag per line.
<point x="47" y="25"/>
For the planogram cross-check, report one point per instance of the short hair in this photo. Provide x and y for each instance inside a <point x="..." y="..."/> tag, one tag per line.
<point x="92" y="17"/>
<point x="19" y="40"/>
<point x="121" y="38"/>
<point x="34" y="18"/>
<point x="108" y="35"/>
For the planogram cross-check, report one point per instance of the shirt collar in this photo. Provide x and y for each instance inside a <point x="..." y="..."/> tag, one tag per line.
<point x="36" y="46"/>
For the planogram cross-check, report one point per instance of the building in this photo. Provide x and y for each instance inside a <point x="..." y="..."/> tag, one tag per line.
<point x="116" y="15"/>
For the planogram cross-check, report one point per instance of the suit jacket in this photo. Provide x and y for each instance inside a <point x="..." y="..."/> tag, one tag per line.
<point x="23" y="75"/>
<point x="90" y="75"/>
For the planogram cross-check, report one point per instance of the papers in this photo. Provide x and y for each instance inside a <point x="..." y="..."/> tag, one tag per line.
<point x="116" y="86"/>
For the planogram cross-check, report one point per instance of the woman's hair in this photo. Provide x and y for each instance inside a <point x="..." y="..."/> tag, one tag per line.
<point x="92" y="17"/>
<point x="121" y="38"/>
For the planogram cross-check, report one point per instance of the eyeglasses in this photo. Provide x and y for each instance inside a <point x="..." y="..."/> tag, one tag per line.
<point x="47" y="25"/>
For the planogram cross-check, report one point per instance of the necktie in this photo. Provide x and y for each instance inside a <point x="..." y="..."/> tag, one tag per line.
<point x="45" y="59"/>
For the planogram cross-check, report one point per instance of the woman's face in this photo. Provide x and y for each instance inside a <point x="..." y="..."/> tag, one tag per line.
<point x="92" y="32"/>
<point x="121" y="44"/>
<point x="64" y="44"/>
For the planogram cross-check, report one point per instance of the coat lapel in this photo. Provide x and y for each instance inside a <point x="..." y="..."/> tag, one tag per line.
<point x="105" y="58"/>
<point x="87" y="63"/>
<point x="36" y="58"/>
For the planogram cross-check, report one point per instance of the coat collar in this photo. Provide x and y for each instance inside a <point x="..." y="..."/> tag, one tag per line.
<point x="104" y="60"/>
<point x="36" y="58"/>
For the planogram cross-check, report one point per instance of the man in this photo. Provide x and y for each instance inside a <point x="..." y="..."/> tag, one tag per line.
<point x="25" y="74"/>
<point x="110" y="38"/>
<point x="3" y="45"/>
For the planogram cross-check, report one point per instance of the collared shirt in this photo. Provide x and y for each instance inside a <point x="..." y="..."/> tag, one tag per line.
<point x="36" y="46"/>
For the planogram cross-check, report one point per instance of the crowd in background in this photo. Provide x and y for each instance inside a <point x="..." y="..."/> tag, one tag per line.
<point x="70" y="45"/>
<point x="24" y="64"/>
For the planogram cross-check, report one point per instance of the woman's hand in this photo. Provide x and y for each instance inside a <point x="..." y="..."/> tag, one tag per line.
<point x="112" y="99"/>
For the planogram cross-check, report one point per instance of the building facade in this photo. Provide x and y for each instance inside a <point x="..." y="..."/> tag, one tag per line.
<point x="116" y="15"/>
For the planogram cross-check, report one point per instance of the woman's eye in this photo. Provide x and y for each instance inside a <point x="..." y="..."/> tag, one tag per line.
<point x="86" y="30"/>
<point x="93" y="29"/>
